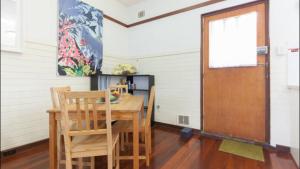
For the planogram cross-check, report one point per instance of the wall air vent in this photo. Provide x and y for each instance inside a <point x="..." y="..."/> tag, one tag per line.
<point x="183" y="120"/>
<point x="141" y="14"/>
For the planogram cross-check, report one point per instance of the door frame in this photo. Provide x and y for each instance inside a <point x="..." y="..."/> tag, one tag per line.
<point x="267" y="88"/>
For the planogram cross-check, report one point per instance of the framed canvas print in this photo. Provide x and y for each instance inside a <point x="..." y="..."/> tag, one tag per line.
<point x="80" y="48"/>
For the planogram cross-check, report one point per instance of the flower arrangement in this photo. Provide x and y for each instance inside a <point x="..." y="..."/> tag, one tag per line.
<point x="124" y="69"/>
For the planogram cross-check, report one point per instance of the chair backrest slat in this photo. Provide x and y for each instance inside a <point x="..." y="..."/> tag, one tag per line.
<point x="54" y="95"/>
<point x="79" y="118"/>
<point x="94" y="113"/>
<point x="86" y="113"/>
<point x="150" y="107"/>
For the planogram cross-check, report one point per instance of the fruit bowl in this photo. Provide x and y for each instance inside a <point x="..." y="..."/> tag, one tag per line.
<point x="115" y="93"/>
<point x="111" y="97"/>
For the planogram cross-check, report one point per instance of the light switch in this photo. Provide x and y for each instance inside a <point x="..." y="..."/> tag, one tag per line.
<point x="281" y="50"/>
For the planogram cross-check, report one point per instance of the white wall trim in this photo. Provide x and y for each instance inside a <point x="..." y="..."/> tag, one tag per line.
<point x="166" y="54"/>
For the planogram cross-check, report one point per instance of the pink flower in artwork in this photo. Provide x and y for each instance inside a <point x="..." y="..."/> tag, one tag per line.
<point x="67" y="46"/>
<point x="69" y="53"/>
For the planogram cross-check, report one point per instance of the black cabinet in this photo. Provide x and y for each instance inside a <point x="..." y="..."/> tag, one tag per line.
<point x="142" y="83"/>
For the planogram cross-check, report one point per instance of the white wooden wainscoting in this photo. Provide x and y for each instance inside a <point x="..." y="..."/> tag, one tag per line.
<point x="177" y="80"/>
<point x="25" y="92"/>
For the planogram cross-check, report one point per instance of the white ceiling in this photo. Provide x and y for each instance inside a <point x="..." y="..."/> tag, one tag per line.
<point x="130" y="2"/>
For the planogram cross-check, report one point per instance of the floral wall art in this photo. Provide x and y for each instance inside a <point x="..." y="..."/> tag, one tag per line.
<point x="80" y="48"/>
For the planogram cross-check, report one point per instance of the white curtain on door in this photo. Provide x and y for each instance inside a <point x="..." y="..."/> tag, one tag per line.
<point x="233" y="41"/>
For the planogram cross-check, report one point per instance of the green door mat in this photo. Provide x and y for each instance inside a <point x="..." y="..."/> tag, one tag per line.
<point x="242" y="149"/>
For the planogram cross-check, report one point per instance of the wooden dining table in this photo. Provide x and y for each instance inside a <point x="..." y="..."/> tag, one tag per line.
<point x="128" y="108"/>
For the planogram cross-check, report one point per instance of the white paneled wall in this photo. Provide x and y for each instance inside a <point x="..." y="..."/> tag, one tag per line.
<point x="284" y="33"/>
<point x="27" y="77"/>
<point x="25" y="96"/>
<point x="25" y="92"/>
<point x="177" y="80"/>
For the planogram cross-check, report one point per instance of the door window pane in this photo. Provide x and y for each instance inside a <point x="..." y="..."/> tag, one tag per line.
<point x="233" y="41"/>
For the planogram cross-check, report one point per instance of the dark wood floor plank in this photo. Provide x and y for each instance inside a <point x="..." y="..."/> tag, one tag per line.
<point x="169" y="152"/>
<point x="182" y="154"/>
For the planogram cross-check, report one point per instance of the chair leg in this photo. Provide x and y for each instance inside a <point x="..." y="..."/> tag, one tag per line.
<point x="68" y="161"/>
<point x="147" y="154"/>
<point x="143" y="137"/>
<point x="126" y="138"/>
<point x="59" y="150"/>
<point x="118" y="155"/>
<point x="92" y="162"/>
<point x="114" y="157"/>
<point x="109" y="162"/>
<point x="147" y="150"/>
<point x="150" y="141"/>
<point x="122" y="141"/>
<point x="80" y="163"/>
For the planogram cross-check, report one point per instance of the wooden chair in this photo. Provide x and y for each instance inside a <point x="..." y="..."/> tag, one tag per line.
<point x="56" y="105"/>
<point x="145" y="128"/>
<point x="87" y="140"/>
<point x="120" y="88"/>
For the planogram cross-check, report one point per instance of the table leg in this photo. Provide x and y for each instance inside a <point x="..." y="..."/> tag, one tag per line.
<point x="52" y="141"/>
<point x="135" y="140"/>
<point x="143" y="116"/>
<point x="142" y="112"/>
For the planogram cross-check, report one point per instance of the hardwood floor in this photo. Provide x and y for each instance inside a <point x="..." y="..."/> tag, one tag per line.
<point x="169" y="152"/>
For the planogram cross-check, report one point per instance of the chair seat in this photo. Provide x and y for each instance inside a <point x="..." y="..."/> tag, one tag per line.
<point x="127" y="126"/>
<point x="91" y="144"/>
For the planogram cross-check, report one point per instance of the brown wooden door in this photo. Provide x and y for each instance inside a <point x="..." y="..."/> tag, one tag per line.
<point x="234" y="98"/>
